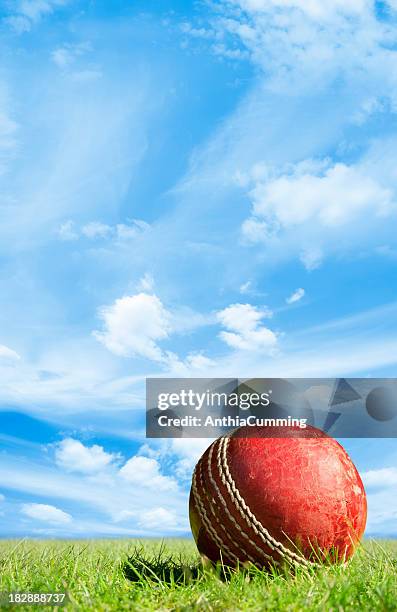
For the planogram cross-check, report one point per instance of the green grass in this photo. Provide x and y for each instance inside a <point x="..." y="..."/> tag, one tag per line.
<point x="150" y="575"/>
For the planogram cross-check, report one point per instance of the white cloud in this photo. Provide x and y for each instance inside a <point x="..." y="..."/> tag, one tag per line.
<point x="303" y="43"/>
<point x="298" y="61"/>
<point x="73" y="456"/>
<point x="2" y="498"/>
<point x="145" y="472"/>
<point x="195" y="363"/>
<point x="146" y="283"/>
<point x="382" y="478"/>
<point x="128" y="232"/>
<point x="8" y="354"/>
<point x="188" y="452"/>
<point x="296" y="296"/>
<point x="254" y="231"/>
<point x="250" y="288"/>
<point x="119" y="496"/>
<point x="93" y="230"/>
<point x="134" y="228"/>
<point x="187" y="28"/>
<point x="182" y="453"/>
<point x="246" y="332"/>
<point x="312" y="258"/>
<point x="260" y="339"/>
<point x="35" y="9"/>
<point x="242" y="317"/>
<point x="330" y="198"/>
<point x="67" y="231"/>
<point x="124" y="515"/>
<point x="29" y="12"/>
<point x="382" y="500"/>
<point x="198" y="361"/>
<point x="318" y="9"/>
<point x="158" y="519"/>
<point x="62" y="57"/>
<point x="133" y="326"/>
<point x="96" y="229"/>
<point x="246" y="287"/>
<point x="311" y="202"/>
<point x="46" y="513"/>
<point x="18" y="23"/>
<point x="66" y="55"/>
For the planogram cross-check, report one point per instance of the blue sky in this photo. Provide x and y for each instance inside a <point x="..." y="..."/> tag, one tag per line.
<point x="186" y="189"/>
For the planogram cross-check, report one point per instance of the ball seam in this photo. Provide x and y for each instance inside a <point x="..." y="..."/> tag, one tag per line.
<point x="245" y="511"/>
<point x="205" y="520"/>
<point x="229" y="514"/>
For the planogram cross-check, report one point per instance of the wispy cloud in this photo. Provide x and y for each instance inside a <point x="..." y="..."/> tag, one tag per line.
<point x="317" y="40"/>
<point x="70" y="174"/>
<point x="382" y="502"/>
<point x="67" y="231"/>
<point x="28" y="13"/>
<point x="108" y="490"/>
<point x="246" y="287"/>
<point x="96" y="230"/>
<point x="46" y="513"/>
<point x="296" y="296"/>
<point x="382" y="478"/>
<point x="8" y="354"/>
<point x="66" y="55"/>
<point x="146" y="283"/>
<point x="158" y="519"/>
<point x="165" y="233"/>
<point x="287" y="60"/>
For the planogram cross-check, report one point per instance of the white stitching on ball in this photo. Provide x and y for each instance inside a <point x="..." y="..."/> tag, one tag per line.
<point x="230" y="516"/>
<point x="205" y="490"/>
<point x="245" y="510"/>
<point x="205" y="520"/>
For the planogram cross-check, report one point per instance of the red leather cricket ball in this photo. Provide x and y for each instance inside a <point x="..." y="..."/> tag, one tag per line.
<point x="267" y="496"/>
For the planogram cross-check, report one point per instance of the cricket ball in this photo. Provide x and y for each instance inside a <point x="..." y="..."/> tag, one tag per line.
<point x="275" y="496"/>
